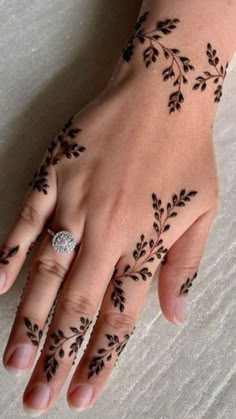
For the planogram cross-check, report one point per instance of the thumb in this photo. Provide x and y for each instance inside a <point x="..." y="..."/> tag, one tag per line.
<point x="181" y="266"/>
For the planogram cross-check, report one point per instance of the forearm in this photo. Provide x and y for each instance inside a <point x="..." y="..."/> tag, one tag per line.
<point x="202" y="21"/>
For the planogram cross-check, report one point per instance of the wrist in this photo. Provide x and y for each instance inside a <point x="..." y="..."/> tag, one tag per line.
<point x="201" y="22"/>
<point x="166" y="65"/>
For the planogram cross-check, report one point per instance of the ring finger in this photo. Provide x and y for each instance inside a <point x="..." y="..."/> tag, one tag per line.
<point x="82" y="292"/>
<point x="47" y="274"/>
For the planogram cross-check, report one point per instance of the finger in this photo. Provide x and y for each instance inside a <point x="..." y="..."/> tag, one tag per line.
<point x="46" y="276"/>
<point x="180" y="269"/>
<point x="32" y="217"/>
<point x="120" y="307"/>
<point x="78" y="302"/>
<point x="111" y="332"/>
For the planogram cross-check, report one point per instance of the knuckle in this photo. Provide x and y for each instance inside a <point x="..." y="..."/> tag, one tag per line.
<point x="119" y="321"/>
<point x="77" y="305"/>
<point x="49" y="268"/>
<point x="191" y="266"/>
<point x="29" y="215"/>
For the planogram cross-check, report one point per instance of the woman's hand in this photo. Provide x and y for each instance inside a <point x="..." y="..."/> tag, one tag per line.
<point x="130" y="182"/>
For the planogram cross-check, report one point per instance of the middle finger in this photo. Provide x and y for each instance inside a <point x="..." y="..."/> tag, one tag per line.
<point x="82" y="291"/>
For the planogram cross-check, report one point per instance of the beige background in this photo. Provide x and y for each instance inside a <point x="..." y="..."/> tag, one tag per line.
<point x="54" y="57"/>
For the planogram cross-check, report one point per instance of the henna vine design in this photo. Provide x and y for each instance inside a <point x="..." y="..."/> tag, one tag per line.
<point x="59" y="147"/>
<point x="34" y="332"/>
<point x="114" y="344"/>
<point x="53" y="307"/>
<point x="179" y="65"/>
<point x="59" y="339"/>
<point x="6" y="254"/>
<point x="34" y="328"/>
<point x="185" y="287"/>
<point x="22" y="293"/>
<point x="218" y="76"/>
<point x="146" y="251"/>
<point x="164" y="260"/>
<point x="33" y="243"/>
<point x="30" y="247"/>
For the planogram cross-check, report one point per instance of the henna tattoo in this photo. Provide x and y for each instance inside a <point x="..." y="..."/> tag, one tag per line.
<point x="53" y="307"/>
<point x="56" y="350"/>
<point x="33" y="329"/>
<point x="164" y="260"/>
<point x="59" y="148"/>
<point x="217" y="76"/>
<point x="34" y="332"/>
<point x="22" y="293"/>
<point x="32" y="244"/>
<point x="146" y="251"/>
<point x="179" y="65"/>
<point x="6" y="254"/>
<point x="114" y="344"/>
<point x="185" y="287"/>
<point x="30" y="248"/>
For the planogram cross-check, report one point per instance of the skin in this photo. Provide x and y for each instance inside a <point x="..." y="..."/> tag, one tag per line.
<point x="133" y="148"/>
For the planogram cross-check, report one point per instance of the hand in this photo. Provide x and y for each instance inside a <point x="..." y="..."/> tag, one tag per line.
<point x="130" y="182"/>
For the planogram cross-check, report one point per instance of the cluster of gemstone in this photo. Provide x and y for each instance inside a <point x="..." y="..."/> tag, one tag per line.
<point x="63" y="242"/>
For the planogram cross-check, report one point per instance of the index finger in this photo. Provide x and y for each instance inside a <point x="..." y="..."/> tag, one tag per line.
<point x="31" y="219"/>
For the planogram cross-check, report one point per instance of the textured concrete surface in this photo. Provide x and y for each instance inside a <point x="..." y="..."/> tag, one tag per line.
<point x="54" y="57"/>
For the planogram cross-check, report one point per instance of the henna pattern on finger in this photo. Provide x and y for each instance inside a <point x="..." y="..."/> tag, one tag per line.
<point x="217" y="76"/>
<point x="179" y="64"/>
<point x="6" y="254"/>
<point x="56" y="350"/>
<point x="34" y="333"/>
<point x="32" y="244"/>
<point x="185" y="287"/>
<point x="22" y="293"/>
<point x="164" y="260"/>
<point x="30" y="247"/>
<point x="60" y="147"/>
<point x="114" y="345"/>
<point x="147" y="251"/>
<point x="24" y="287"/>
<point x="54" y="304"/>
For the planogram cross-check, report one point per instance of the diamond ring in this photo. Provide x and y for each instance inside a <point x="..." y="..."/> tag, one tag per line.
<point x="63" y="241"/>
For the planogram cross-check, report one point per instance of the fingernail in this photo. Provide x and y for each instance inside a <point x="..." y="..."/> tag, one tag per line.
<point x="3" y="278"/>
<point x="179" y="310"/>
<point x="81" y="397"/>
<point x="36" y="400"/>
<point x="31" y="412"/>
<point x="20" y="359"/>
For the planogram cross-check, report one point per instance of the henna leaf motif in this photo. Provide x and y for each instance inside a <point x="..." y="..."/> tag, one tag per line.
<point x="146" y="251"/>
<point x="34" y="333"/>
<point x="178" y="66"/>
<point x="217" y="75"/>
<point x="186" y="286"/>
<point x="6" y="254"/>
<point x="59" y="339"/>
<point x="60" y="147"/>
<point x="114" y="345"/>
